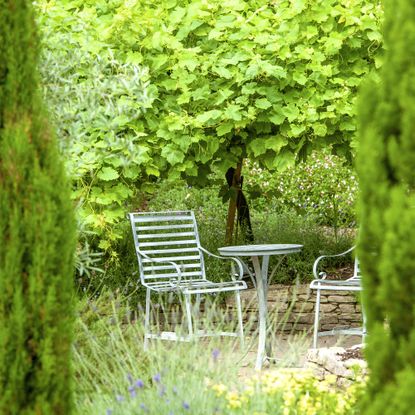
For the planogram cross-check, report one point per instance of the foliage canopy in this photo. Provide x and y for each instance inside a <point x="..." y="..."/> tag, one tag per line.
<point x="144" y="90"/>
<point x="258" y="79"/>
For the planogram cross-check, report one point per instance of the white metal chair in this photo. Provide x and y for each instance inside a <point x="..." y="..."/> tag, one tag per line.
<point x="171" y="259"/>
<point x="321" y="283"/>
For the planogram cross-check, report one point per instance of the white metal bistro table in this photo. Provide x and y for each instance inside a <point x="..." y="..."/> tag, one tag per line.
<point x="261" y="280"/>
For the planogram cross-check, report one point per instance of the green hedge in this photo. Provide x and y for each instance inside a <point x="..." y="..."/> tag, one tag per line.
<point x="386" y="171"/>
<point x="37" y="234"/>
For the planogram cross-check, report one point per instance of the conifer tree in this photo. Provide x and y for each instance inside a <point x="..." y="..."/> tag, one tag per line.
<point x="386" y="168"/>
<point x="37" y="234"/>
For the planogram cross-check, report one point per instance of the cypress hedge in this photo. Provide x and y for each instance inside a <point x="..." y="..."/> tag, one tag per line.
<point x="386" y="166"/>
<point x="37" y="234"/>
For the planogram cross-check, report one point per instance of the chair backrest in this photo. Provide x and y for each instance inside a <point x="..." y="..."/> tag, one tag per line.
<point x="167" y="236"/>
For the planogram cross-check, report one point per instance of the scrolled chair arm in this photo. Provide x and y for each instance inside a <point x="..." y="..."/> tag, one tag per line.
<point x="323" y="275"/>
<point x="238" y="261"/>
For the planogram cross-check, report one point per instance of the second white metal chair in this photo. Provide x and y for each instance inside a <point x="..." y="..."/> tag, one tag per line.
<point x="321" y="283"/>
<point x="171" y="259"/>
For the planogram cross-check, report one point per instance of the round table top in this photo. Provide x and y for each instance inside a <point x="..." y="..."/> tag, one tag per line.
<point x="259" y="250"/>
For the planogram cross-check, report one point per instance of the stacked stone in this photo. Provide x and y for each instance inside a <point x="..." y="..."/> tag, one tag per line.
<point x="334" y="361"/>
<point x="291" y="308"/>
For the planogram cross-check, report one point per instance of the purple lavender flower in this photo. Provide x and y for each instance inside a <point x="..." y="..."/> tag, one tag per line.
<point x="109" y="412"/>
<point x="175" y="391"/>
<point x="215" y="354"/>
<point x="132" y="391"/>
<point x="143" y="407"/>
<point x="157" y="378"/>
<point x="139" y="384"/>
<point x="129" y="378"/>
<point x="186" y="406"/>
<point x="162" y="390"/>
<point x="119" y="398"/>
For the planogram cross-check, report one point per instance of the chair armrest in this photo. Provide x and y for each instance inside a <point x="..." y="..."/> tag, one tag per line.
<point x="237" y="260"/>
<point x="160" y="261"/>
<point x="323" y="275"/>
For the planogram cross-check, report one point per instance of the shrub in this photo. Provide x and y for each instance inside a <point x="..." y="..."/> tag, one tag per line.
<point x="96" y="101"/>
<point x="269" y="227"/>
<point x="386" y="171"/>
<point x="288" y="392"/>
<point x="115" y="376"/>
<point x="37" y="234"/>
<point x="322" y="187"/>
<point x="289" y="227"/>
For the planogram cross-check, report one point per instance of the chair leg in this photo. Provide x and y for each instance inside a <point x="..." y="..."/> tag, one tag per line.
<point x="198" y="301"/>
<point x="316" y="319"/>
<point x="189" y="314"/>
<point x="364" y="333"/>
<point x="147" y="319"/>
<point x="240" y="321"/>
<point x="196" y="312"/>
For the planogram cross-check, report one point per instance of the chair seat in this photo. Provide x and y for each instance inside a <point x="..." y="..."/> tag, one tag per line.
<point x="196" y="286"/>
<point x="352" y="284"/>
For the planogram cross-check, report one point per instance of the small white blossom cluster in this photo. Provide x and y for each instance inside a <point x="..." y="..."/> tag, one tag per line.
<point x="322" y="186"/>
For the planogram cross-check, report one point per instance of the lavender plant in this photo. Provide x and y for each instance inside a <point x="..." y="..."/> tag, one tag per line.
<point x="116" y="377"/>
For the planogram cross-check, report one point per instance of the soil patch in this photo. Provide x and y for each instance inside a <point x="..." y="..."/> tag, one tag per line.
<point x="353" y="353"/>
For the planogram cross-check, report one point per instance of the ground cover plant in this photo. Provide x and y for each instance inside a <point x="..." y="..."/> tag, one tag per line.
<point x="269" y="224"/>
<point x="284" y="227"/>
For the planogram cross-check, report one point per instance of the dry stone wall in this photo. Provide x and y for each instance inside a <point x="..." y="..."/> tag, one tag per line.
<point x="291" y="308"/>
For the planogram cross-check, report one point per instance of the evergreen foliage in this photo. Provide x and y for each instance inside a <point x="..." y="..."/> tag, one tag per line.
<point x="37" y="235"/>
<point x="386" y="168"/>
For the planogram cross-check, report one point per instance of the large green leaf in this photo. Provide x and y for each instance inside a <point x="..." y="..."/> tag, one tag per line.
<point x="209" y="115"/>
<point x="224" y="128"/>
<point x="262" y="103"/>
<point x="108" y="173"/>
<point x="172" y="154"/>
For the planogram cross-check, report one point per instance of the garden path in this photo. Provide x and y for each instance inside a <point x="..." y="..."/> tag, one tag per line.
<point x="291" y="351"/>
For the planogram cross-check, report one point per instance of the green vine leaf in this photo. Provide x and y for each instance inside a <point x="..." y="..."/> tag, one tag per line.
<point x="108" y="173"/>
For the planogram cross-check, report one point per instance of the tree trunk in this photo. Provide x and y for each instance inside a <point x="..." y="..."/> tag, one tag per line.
<point x="235" y="189"/>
